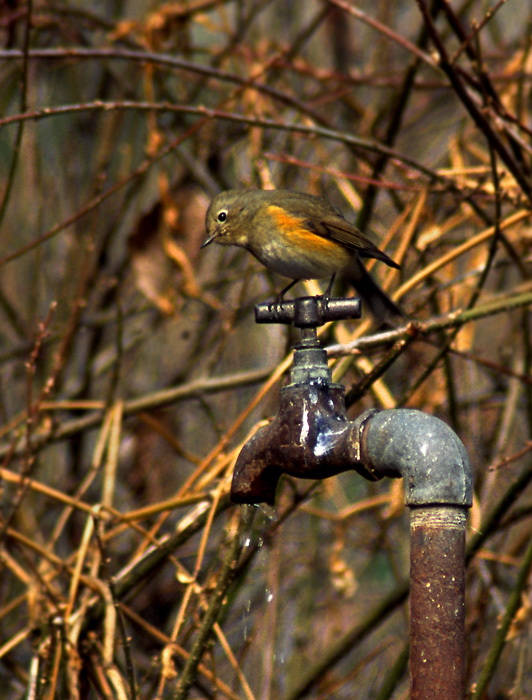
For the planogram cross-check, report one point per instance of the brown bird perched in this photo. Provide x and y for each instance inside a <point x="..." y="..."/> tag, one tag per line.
<point x="300" y="237"/>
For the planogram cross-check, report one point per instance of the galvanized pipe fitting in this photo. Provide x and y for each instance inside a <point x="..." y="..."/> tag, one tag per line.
<point x="421" y="449"/>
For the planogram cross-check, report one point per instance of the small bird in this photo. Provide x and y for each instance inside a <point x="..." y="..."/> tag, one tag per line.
<point x="299" y="236"/>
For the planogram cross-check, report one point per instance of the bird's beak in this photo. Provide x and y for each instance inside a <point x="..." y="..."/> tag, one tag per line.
<point x="209" y="239"/>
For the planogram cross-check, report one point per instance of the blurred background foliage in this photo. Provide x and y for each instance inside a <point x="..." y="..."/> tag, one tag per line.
<point x="132" y="371"/>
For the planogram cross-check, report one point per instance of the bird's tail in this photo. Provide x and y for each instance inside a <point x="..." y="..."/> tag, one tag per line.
<point x="379" y="304"/>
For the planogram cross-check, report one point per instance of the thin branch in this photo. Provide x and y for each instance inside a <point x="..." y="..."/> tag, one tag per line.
<point x="25" y="54"/>
<point x="225" y="578"/>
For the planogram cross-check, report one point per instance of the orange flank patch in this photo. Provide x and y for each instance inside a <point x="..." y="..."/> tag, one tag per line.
<point x="297" y="235"/>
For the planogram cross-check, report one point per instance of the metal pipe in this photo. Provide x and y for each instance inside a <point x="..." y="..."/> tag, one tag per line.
<point x="437" y="602"/>
<point x="438" y="489"/>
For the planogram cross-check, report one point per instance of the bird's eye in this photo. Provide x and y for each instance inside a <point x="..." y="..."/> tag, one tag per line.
<point x="222" y="216"/>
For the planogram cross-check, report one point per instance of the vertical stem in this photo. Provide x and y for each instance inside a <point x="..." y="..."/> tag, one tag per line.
<point x="437" y="602"/>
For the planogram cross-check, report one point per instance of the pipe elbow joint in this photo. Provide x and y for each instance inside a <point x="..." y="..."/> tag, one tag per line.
<point x="423" y="450"/>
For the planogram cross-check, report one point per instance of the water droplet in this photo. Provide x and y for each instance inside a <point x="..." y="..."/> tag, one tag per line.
<point x="268" y="511"/>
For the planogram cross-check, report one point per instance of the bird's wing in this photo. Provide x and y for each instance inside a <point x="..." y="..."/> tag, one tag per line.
<point x="338" y="229"/>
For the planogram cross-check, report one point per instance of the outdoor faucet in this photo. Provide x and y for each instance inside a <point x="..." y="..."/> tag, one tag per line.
<point x="312" y="438"/>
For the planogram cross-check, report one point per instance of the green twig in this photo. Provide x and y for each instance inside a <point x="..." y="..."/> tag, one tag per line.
<point x="514" y="602"/>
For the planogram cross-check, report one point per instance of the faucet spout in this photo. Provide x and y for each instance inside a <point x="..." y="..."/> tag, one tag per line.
<point x="310" y="438"/>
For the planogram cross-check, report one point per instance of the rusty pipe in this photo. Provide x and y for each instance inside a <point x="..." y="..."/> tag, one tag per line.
<point x="437" y="602"/>
<point x="438" y="489"/>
